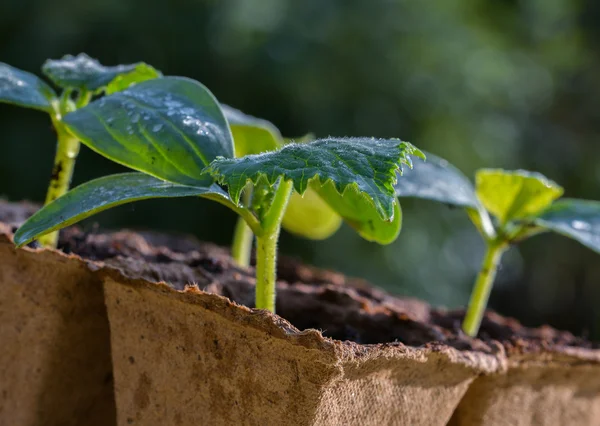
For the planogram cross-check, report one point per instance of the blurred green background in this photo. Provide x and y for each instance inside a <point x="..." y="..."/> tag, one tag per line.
<point x="502" y="83"/>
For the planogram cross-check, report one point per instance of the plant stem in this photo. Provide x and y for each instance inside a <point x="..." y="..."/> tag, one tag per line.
<point x="241" y="247"/>
<point x="483" y="287"/>
<point x="266" y="248"/>
<point x="66" y="152"/>
<point x="67" y="148"/>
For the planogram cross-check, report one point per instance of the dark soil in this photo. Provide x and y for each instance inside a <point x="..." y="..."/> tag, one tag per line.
<point x="342" y="308"/>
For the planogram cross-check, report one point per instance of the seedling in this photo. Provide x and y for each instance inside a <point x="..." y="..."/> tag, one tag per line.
<point x="174" y="133"/>
<point x="522" y="204"/>
<point x="308" y="216"/>
<point x="79" y="77"/>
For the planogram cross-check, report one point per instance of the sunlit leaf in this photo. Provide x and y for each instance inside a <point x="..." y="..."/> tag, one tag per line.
<point x="436" y="179"/>
<point x="142" y="72"/>
<point x="251" y="135"/>
<point x="310" y="217"/>
<point x="83" y="72"/>
<point x="24" y="89"/>
<point x="516" y="194"/>
<point x="357" y="210"/>
<point x="169" y="127"/>
<point x="577" y="219"/>
<point x="365" y="164"/>
<point x="101" y="194"/>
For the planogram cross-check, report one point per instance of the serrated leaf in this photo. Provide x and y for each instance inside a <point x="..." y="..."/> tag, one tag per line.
<point x="142" y="72"/>
<point x="310" y="217"/>
<point x="357" y="210"/>
<point x="436" y="179"/>
<point x="251" y="135"/>
<point x="101" y="194"/>
<point x="577" y="219"/>
<point x="83" y="72"/>
<point x="366" y="164"/>
<point x="170" y="128"/>
<point x="24" y="89"/>
<point x="516" y="194"/>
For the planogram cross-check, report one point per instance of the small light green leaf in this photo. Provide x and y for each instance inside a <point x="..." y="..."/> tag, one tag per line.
<point x="24" y="89"/>
<point x="516" y="194"/>
<point x="101" y="194"/>
<point x="369" y="165"/>
<point x="83" y="72"/>
<point x="577" y="219"/>
<point x="310" y="217"/>
<point x="251" y="135"/>
<point x="357" y="210"/>
<point x="142" y="72"/>
<point x="170" y="128"/>
<point x="436" y="179"/>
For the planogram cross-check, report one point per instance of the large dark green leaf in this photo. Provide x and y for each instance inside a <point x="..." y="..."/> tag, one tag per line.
<point x="169" y="127"/>
<point x="515" y="194"/>
<point x="101" y="194"/>
<point x="251" y="135"/>
<point x="366" y="164"/>
<point x="436" y="179"/>
<point x="577" y="219"/>
<point x="24" y="89"/>
<point x="83" y="72"/>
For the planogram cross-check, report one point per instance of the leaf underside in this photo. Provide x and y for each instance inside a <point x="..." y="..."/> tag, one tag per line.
<point x="24" y="89"/>
<point x="251" y="135"/>
<point x="515" y="194"/>
<point x="101" y="194"/>
<point x="437" y="180"/>
<point x="170" y="128"/>
<point x="577" y="219"/>
<point x="310" y="217"/>
<point x="83" y="72"/>
<point x="142" y="72"/>
<point x="366" y="164"/>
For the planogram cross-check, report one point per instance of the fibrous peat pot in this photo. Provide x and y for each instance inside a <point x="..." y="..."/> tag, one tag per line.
<point x="552" y="378"/>
<point x="55" y="366"/>
<point x="190" y="357"/>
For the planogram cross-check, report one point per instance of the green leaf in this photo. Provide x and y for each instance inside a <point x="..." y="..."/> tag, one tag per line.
<point x="310" y="217"/>
<point x="170" y="128"/>
<point x="83" y="72"/>
<point x="577" y="219"/>
<point x="436" y="179"/>
<point x="366" y="164"/>
<point x="516" y="194"/>
<point x="24" y="89"/>
<point x="142" y="72"/>
<point x="357" y="210"/>
<point x="251" y="135"/>
<point x="101" y="194"/>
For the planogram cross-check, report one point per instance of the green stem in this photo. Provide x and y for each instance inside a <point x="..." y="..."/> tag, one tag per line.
<point x="266" y="248"/>
<point x="67" y="148"/>
<point x="483" y="287"/>
<point x="241" y="248"/>
<point x="66" y="152"/>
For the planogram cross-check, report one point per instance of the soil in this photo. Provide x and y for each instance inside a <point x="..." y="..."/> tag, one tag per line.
<point x="342" y="308"/>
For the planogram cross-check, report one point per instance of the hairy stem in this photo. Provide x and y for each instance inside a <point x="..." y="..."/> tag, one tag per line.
<point x="241" y="247"/>
<point x="66" y="152"/>
<point x="483" y="287"/>
<point x="266" y="248"/>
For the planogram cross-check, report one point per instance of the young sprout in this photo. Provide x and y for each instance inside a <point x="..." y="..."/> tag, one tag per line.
<point x="307" y="215"/>
<point x="522" y="203"/>
<point x="80" y="78"/>
<point x="174" y="132"/>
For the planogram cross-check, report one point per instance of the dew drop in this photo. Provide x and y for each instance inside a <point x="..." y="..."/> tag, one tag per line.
<point x="580" y="225"/>
<point x="110" y="120"/>
<point x="135" y="118"/>
<point x="157" y="127"/>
